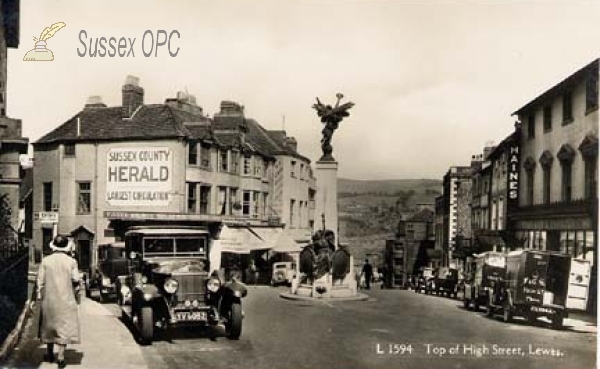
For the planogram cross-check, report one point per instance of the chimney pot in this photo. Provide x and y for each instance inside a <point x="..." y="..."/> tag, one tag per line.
<point x="133" y="96"/>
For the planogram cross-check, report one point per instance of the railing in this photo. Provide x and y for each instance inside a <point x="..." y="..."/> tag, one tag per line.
<point x="13" y="287"/>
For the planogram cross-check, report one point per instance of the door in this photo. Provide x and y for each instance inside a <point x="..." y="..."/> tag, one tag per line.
<point x="84" y="254"/>
<point x="579" y="284"/>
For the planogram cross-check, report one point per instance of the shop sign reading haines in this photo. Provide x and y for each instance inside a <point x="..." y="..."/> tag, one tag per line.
<point x="139" y="176"/>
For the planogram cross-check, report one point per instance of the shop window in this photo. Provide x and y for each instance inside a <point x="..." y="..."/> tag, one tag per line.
<point x="84" y="197"/>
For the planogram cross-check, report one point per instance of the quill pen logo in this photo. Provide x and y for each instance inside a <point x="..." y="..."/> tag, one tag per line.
<point x="40" y="52"/>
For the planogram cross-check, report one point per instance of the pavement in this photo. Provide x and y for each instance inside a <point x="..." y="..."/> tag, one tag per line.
<point x="105" y="343"/>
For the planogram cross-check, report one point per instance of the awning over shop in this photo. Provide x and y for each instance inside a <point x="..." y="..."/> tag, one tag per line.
<point x="239" y="240"/>
<point x="277" y="239"/>
<point x="243" y="240"/>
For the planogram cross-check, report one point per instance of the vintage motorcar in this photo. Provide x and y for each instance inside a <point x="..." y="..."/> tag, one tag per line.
<point x="283" y="273"/>
<point x="168" y="283"/>
<point x="423" y="279"/>
<point x="535" y="285"/>
<point x="485" y="271"/>
<point x="111" y="264"/>
<point x="443" y="282"/>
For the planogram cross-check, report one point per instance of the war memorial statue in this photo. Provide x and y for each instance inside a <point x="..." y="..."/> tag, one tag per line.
<point x="325" y="268"/>
<point x="331" y="117"/>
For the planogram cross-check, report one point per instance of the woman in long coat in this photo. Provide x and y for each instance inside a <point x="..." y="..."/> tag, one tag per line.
<point x="59" y="321"/>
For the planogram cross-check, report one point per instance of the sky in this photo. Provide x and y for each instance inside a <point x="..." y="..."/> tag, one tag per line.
<point x="433" y="81"/>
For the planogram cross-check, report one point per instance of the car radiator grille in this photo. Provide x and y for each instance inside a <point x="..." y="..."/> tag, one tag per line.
<point x="191" y="287"/>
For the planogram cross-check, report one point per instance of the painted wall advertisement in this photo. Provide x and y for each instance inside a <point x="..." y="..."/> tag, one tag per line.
<point x="139" y="176"/>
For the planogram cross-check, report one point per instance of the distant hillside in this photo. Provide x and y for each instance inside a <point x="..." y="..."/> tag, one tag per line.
<point x="388" y="186"/>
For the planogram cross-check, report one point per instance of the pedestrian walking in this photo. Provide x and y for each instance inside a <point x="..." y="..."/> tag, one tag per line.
<point x="367" y="271"/>
<point x="58" y="290"/>
<point x="253" y="271"/>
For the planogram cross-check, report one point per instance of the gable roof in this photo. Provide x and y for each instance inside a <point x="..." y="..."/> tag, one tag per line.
<point x="102" y="124"/>
<point x="157" y="121"/>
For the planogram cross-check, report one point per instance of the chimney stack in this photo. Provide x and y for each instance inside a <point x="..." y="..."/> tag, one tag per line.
<point x="291" y="143"/>
<point x="95" y="102"/>
<point x="133" y="96"/>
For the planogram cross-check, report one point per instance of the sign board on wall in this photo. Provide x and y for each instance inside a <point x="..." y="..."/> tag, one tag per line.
<point x="50" y="217"/>
<point x="514" y="158"/>
<point x="140" y="176"/>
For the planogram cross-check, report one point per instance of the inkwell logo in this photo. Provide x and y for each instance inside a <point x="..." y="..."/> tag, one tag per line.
<point x="40" y="52"/>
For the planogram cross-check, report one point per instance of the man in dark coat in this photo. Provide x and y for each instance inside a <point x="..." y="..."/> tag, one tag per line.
<point x="367" y="271"/>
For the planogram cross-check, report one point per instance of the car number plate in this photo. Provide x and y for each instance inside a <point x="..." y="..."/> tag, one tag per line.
<point x="541" y="309"/>
<point x="190" y="315"/>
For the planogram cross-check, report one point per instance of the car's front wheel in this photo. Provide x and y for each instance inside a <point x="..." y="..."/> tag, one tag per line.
<point x="234" y="325"/>
<point x="145" y="323"/>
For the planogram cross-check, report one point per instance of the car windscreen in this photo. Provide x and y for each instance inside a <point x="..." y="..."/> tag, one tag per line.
<point x="175" y="246"/>
<point x="159" y="246"/>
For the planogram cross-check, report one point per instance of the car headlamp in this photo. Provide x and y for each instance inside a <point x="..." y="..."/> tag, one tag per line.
<point x="144" y="279"/>
<point x="105" y="281"/>
<point x="213" y="285"/>
<point x="171" y="286"/>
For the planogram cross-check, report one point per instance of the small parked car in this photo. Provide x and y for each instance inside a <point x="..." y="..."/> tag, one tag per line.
<point x="422" y="280"/>
<point x="283" y="273"/>
<point x="111" y="264"/>
<point x="168" y="284"/>
<point x="445" y="282"/>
